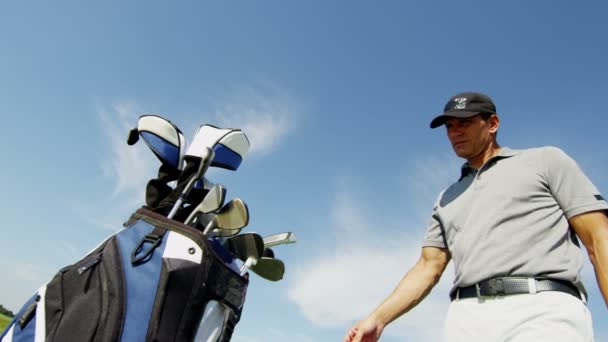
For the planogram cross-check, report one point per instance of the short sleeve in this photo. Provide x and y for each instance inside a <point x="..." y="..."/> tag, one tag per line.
<point x="434" y="236"/>
<point x="571" y="188"/>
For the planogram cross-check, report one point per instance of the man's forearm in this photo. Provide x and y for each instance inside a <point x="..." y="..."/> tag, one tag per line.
<point x="600" y="264"/>
<point x="410" y="291"/>
<point x="592" y="229"/>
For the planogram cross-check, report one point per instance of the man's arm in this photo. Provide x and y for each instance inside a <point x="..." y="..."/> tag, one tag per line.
<point x="592" y="229"/>
<point x="410" y="291"/>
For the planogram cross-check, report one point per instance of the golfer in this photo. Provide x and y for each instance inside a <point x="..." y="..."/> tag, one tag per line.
<point x="512" y="224"/>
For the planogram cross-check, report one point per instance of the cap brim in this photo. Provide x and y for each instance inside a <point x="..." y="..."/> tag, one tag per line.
<point x="440" y="120"/>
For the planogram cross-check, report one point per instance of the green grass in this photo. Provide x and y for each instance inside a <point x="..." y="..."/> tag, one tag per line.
<point x="4" y="321"/>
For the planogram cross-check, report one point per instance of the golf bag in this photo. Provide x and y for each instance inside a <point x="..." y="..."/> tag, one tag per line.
<point x="149" y="282"/>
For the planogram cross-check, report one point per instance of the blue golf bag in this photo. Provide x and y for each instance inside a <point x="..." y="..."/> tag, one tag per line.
<point x="149" y="282"/>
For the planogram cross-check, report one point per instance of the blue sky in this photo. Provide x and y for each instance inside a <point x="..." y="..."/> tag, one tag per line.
<point x="336" y="98"/>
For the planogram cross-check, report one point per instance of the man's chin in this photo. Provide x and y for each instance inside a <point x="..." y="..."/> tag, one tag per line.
<point x="462" y="153"/>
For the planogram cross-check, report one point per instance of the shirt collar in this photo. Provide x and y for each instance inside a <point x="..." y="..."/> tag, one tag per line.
<point x="504" y="152"/>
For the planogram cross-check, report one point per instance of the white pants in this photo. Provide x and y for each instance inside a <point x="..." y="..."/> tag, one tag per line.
<point x="545" y="316"/>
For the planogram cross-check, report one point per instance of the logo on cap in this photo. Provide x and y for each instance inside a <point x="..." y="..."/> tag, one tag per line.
<point x="461" y="102"/>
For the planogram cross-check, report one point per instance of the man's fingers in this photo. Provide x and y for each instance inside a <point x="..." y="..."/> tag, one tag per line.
<point x="350" y="335"/>
<point x="358" y="337"/>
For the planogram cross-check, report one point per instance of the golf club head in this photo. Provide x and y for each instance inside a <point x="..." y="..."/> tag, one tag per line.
<point x="203" y="183"/>
<point x="162" y="137"/>
<point x="229" y="145"/>
<point x="231" y="150"/>
<point x="269" y="268"/>
<point x="268" y="253"/>
<point x="233" y="216"/>
<point x="245" y="246"/>
<point x="213" y="200"/>
<point x="224" y="233"/>
<point x="279" y="239"/>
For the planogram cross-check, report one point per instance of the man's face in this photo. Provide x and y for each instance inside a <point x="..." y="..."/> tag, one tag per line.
<point x="469" y="137"/>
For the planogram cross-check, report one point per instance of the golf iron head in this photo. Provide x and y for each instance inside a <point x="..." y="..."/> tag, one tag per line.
<point x="268" y="252"/>
<point x="247" y="247"/>
<point x="230" y="219"/>
<point x="269" y="268"/>
<point x="213" y="200"/>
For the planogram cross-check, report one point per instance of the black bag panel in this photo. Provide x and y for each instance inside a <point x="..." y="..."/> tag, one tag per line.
<point x="217" y="281"/>
<point x="180" y="300"/>
<point x="227" y="286"/>
<point x="113" y="314"/>
<point x="85" y="297"/>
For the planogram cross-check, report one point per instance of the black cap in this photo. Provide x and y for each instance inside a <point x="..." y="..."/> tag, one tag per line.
<point x="465" y="105"/>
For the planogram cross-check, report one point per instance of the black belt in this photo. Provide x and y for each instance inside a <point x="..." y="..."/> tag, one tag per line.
<point x="509" y="286"/>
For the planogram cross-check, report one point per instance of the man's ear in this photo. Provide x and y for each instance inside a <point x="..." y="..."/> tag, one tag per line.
<point x="494" y="122"/>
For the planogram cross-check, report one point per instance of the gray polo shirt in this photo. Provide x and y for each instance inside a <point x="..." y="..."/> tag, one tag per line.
<point x="510" y="217"/>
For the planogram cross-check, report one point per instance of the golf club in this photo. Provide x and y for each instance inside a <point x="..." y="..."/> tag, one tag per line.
<point x="246" y="247"/>
<point x="230" y="145"/>
<point x="164" y="139"/>
<point x="269" y="253"/>
<point x="269" y="268"/>
<point x="279" y="239"/>
<point x="232" y="217"/>
<point x="204" y="160"/>
<point x="213" y="200"/>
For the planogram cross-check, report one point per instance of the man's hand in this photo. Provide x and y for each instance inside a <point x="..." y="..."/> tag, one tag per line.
<point x="367" y="330"/>
<point x="412" y="288"/>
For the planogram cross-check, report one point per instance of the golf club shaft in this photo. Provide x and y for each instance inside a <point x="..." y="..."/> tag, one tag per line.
<point x="250" y="262"/>
<point x="206" y="158"/>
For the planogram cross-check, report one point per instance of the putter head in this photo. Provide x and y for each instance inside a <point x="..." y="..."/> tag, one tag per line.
<point x="269" y="268"/>
<point x="233" y="216"/>
<point x="245" y="246"/>
<point x="279" y="239"/>
<point x="229" y="145"/>
<point x="162" y="137"/>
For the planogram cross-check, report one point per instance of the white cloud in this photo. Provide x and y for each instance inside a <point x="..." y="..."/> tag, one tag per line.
<point x="130" y="166"/>
<point x="339" y="287"/>
<point x="127" y="168"/>
<point x="265" y="113"/>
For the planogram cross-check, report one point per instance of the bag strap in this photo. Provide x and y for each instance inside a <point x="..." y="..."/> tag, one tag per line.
<point x="154" y="237"/>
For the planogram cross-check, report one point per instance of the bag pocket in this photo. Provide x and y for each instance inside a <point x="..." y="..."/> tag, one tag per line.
<point x="180" y="301"/>
<point x="84" y="301"/>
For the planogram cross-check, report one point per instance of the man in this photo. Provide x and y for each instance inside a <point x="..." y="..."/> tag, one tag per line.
<point x="510" y="223"/>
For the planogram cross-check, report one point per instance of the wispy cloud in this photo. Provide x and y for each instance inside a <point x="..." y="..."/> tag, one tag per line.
<point x="266" y="113"/>
<point x="339" y="287"/>
<point x="127" y="169"/>
<point x="129" y="166"/>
